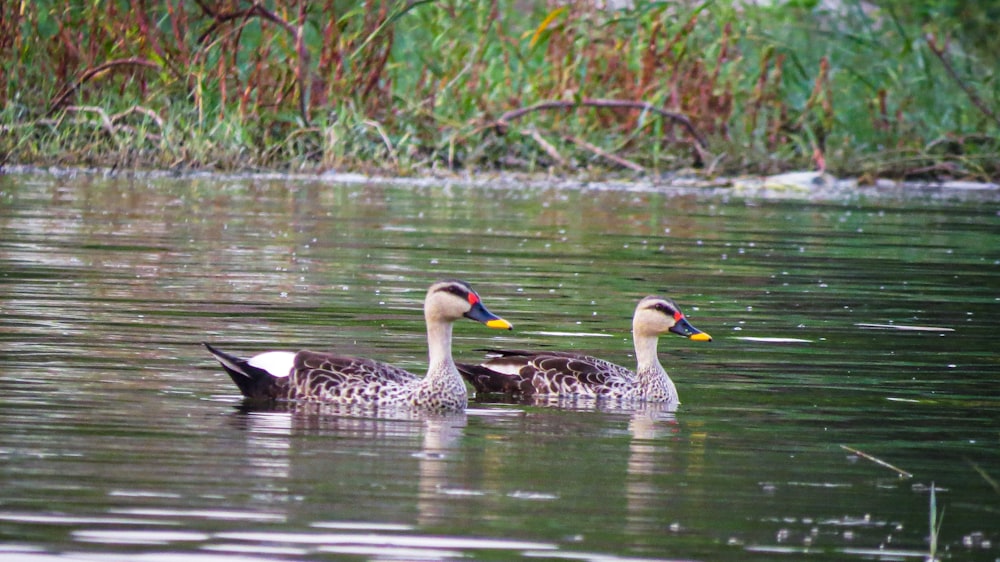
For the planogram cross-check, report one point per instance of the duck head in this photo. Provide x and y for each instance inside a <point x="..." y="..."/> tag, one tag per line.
<point x="658" y="315"/>
<point x="452" y="299"/>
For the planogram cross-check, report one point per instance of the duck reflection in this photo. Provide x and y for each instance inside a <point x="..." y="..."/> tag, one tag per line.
<point x="649" y="455"/>
<point x="437" y="467"/>
<point x="361" y="455"/>
<point x="652" y="428"/>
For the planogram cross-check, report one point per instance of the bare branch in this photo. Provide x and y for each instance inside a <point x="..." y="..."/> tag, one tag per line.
<point x="701" y="145"/>
<point x="973" y="96"/>
<point x="108" y="123"/>
<point x="105" y="120"/>
<point x="91" y="73"/>
<point x="297" y="33"/>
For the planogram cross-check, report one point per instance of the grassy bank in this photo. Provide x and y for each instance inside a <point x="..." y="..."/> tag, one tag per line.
<point x="403" y="87"/>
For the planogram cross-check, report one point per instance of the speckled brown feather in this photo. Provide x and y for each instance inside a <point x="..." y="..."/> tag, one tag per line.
<point x="325" y="377"/>
<point x="553" y="372"/>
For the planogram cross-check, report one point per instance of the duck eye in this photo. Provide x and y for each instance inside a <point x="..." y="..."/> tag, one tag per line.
<point x="462" y="293"/>
<point x="669" y="311"/>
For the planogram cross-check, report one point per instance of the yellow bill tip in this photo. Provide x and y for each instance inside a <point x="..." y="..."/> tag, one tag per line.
<point x="701" y="336"/>
<point x="500" y="324"/>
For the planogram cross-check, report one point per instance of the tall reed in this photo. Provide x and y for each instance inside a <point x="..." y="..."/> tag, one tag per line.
<point x="408" y="85"/>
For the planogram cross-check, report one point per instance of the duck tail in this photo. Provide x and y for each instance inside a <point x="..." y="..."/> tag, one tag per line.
<point x="488" y="381"/>
<point x="253" y="382"/>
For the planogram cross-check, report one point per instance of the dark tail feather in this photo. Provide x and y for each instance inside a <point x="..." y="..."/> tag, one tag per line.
<point x="253" y="382"/>
<point x="486" y="380"/>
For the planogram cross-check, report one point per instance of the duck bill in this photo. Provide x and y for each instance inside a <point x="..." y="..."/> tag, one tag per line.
<point x="684" y="328"/>
<point x="480" y="314"/>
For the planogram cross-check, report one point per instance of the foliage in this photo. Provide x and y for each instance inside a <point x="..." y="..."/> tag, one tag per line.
<point x="397" y="86"/>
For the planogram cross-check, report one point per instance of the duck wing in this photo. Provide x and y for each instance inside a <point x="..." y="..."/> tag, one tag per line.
<point x="547" y="373"/>
<point x="342" y="378"/>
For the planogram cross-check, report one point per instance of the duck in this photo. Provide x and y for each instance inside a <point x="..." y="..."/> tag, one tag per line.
<point x="312" y="376"/>
<point x="528" y="374"/>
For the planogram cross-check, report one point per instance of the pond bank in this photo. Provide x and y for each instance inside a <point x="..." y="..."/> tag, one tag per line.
<point x="792" y="185"/>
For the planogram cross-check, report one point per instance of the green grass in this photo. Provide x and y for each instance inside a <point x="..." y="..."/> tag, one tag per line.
<point x="402" y="87"/>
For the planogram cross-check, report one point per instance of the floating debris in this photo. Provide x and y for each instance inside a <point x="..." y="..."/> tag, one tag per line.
<point x="570" y="334"/>
<point x="903" y="327"/>
<point x="902" y="473"/>
<point x="773" y="340"/>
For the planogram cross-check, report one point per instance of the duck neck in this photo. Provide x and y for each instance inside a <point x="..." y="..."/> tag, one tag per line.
<point x="439" y="361"/>
<point x="646" y="356"/>
<point x="652" y="381"/>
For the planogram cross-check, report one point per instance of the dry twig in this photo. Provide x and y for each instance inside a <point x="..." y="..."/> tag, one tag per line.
<point x="902" y="473"/>
<point x="385" y="139"/>
<point x="547" y="147"/>
<point x="607" y="155"/>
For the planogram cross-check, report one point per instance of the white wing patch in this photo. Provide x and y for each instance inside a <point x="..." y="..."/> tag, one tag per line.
<point x="506" y="366"/>
<point x="277" y="363"/>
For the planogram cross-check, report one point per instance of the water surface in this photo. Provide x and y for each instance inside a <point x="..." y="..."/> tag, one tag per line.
<point x="866" y="322"/>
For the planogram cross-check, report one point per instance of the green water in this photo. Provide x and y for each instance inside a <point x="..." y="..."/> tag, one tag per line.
<point x="862" y="321"/>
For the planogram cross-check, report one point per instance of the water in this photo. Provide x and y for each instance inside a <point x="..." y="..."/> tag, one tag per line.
<point x="866" y="322"/>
